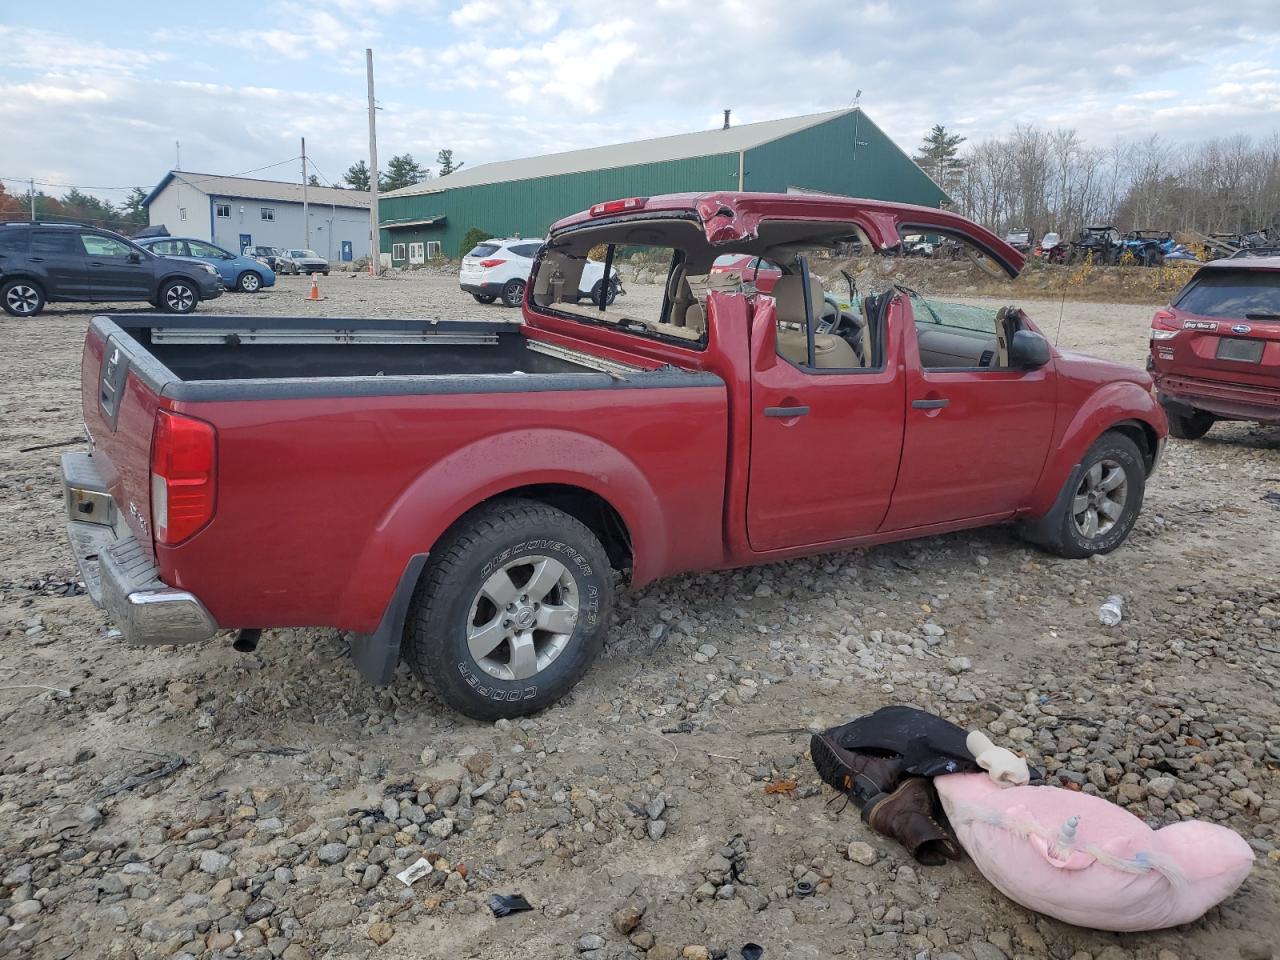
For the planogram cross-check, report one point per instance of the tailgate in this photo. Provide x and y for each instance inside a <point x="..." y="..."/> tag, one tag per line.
<point x="119" y="410"/>
<point x="1242" y="351"/>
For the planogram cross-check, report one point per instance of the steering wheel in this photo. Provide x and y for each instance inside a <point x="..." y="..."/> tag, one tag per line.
<point x="829" y="322"/>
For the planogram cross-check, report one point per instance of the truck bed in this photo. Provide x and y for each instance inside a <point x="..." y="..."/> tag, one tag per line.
<point x="212" y="349"/>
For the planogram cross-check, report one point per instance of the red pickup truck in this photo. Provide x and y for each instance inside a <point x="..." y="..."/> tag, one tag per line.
<point x="460" y="495"/>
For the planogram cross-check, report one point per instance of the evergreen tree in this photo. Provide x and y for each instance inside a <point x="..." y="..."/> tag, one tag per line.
<point x="133" y="209"/>
<point x="357" y="176"/>
<point x="447" y="166"/>
<point x="939" y="156"/>
<point x="402" y="171"/>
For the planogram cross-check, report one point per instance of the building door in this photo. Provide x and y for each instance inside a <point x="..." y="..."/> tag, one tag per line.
<point x="346" y="251"/>
<point x="417" y="253"/>
<point x="246" y="241"/>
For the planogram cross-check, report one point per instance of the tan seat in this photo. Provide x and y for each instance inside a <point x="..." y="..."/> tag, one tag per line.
<point x="830" y="351"/>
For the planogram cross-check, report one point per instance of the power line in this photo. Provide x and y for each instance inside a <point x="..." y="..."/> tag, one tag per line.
<point x="191" y="180"/>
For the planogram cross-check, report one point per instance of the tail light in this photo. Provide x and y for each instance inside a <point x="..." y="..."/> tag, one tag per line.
<point x="619" y="206"/>
<point x="1164" y="325"/>
<point x="183" y="482"/>
<point x="491" y="263"/>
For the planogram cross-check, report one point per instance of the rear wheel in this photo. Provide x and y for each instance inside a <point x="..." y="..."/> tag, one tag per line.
<point x="1190" y="427"/>
<point x="22" y="298"/>
<point x="511" y="610"/>
<point x="611" y="295"/>
<point x="179" y="296"/>
<point x="484" y="297"/>
<point x="513" y="293"/>
<point x="1103" y="503"/>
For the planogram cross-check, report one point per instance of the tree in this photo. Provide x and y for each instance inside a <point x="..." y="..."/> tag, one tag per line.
<point x="357" y="176"/>
<point x="939" y="156"/>
<point x="471" y="238"/>
<point x="83" y="206"/>
<point x="11" y="207"/>
<point x="402" y="171"/>
<point x="313" y="181"/>
<point x="133" y="209"/>
<point x="447" y="166"/>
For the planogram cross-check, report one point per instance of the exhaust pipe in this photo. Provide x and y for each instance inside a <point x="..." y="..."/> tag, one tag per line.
<point x="246" y="640"/>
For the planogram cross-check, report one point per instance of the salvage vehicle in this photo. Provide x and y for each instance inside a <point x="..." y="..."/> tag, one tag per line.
<point x="50" y="262"/>
<point x="1215" y="350"/>
<point x="1052" y="249"/>
<point x="460" y="495"/>
<point x="1099" y="245"/>
<point x="753" y="270"/>
<point x="1020" y="239"/>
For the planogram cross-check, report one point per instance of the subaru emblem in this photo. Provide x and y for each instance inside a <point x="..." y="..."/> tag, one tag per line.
<point x="1241" y="328"/>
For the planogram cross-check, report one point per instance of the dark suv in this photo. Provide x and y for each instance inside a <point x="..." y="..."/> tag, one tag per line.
<point x="45" y="262"/>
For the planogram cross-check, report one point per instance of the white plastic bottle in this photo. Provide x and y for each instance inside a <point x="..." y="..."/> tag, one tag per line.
<point x="1111" y="612"/>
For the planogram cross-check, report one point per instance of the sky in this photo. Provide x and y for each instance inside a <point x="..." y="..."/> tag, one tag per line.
<point x="97" y="94"/>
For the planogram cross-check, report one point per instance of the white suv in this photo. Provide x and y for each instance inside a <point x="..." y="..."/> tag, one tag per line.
<point x="497" y="270"/>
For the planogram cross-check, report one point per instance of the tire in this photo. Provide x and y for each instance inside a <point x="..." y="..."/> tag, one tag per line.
<point x="484" y="297"/>
<point x="475" y="567"/>
<point x="1065" y="534"/>
<point x="595" y="294"/>
<point x="179" y="296"/>
<point x="22" y="298"/>
<point x="1191" y="427"/>
<point x="249" y="282"/>
<point x="513" y="293"/>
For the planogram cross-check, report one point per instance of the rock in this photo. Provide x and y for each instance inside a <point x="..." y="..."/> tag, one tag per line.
<point x="1161" y="787"/>
<point x="629" y="915"/>
<point x="24" y="910"/>
<point x="1253" y="947"/>
<point x="332" y="853"/>
<point x="295" y="951"/>
<point x="657" y="828"/>
<point x="213" y="863"/>
<point x="332" y="916"/>
<point x="380" y="933"/>
<point x="982" y="950"/>
<point x="259" y="910"/>
<point x="428" y="756"/>
<point x="862" y="853"/>
<point x="590" y="941"/>
<point x="441" y="829"/>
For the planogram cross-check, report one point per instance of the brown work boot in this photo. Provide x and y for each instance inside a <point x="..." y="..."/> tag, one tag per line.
<point x="909" y="815"/>
<point x="860" y="774"/>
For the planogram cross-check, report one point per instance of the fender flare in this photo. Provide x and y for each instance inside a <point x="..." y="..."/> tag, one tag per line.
<point x="1112" y="404"/>
<point x="485" y="469"/>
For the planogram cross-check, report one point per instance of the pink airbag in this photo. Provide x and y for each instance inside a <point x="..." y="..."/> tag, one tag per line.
<point x="1116" y="873"/>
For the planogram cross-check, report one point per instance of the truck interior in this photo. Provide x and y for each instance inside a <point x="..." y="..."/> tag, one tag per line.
<point x="847" y="326"/>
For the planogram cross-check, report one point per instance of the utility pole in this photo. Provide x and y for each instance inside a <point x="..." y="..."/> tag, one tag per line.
<point x="306" y="220"/>
<point x="375" y="256"/>
<point x="33" y="200"/>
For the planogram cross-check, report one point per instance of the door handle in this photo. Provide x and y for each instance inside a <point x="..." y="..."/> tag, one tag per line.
<point x="930" y="404"/>
<point x="36" y="259"/>
<point x="785" y="412"/>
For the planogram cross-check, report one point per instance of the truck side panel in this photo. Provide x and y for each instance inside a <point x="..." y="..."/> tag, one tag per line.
<point x="334" y="495"/>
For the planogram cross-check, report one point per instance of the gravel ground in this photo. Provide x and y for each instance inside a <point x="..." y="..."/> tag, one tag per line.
<point x="197" y="803"/>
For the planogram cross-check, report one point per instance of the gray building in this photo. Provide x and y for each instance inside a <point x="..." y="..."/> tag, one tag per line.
<point x="236" y="212"/>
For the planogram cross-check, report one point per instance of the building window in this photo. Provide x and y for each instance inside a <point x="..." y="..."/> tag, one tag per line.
<point x="224" y="211"/>
<point x="397" y="251"/>
<point x="268" y="213"/>
<point x="182" y="213"/>
<point x="433" y="249"/>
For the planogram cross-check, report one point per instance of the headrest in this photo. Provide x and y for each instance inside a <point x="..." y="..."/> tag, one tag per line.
<point x="788" y="292"/>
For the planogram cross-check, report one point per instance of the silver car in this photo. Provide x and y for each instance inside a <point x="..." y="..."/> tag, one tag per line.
<point x="307" y="261"/>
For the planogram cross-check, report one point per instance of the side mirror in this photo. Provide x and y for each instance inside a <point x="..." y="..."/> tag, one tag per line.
<point x="1028" y="350"/>
<point x="135" y="257"/>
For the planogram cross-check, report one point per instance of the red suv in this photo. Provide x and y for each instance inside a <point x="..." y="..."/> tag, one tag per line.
<point x="1215" y="351"/>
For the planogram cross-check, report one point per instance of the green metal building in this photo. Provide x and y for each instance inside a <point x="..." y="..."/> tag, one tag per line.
<point x="840" y="152"/>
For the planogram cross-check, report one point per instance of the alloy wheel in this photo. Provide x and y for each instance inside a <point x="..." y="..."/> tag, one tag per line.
<point x="1100" y="499"/>
<point x="22" y="299"/>
<point x="179" y="298"/>
<point x="522" y="618"/>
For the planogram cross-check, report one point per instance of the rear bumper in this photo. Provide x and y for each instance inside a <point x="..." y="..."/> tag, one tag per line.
<point x="482" y="289"/>
<point x="119" y="573"/>
<point x="1231" y="401"/>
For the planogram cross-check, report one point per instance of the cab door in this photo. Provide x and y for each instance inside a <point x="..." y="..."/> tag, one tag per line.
<point x="824" y="445"/>
<point x="977" y="433"/>
<point x="58" y="254"/>
<point x="116" y="270"/>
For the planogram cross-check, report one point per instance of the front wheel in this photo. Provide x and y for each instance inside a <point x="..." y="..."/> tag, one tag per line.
<point x="1191" y="427"/>
<point x="249" y="282"/>
<point x="1103" y="502"/>
<point x="179" y="296"/>
<point x="484" y="297"/>
<point x="513" y="293"/>
<point x="21" y="298"/>
<point x="511" y="610"/>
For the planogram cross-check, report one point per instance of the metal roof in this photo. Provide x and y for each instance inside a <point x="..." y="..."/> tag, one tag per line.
<point x="243" y="187"/>
<point x="682" y="146"/>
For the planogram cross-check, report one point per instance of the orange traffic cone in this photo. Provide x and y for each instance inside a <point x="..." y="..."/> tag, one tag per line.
<point x="315" y="288"/>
